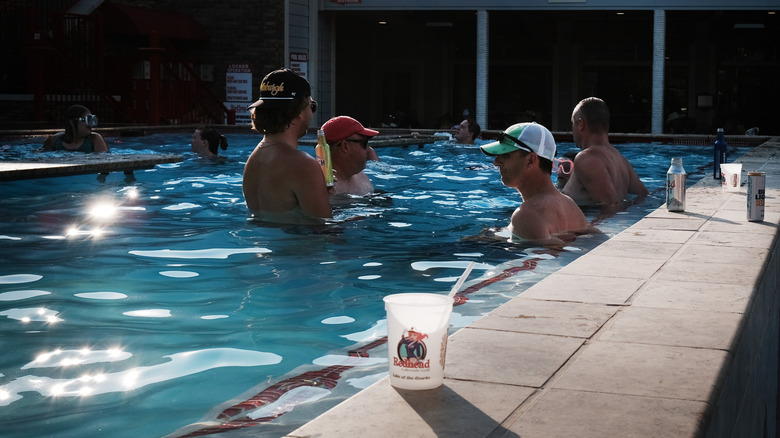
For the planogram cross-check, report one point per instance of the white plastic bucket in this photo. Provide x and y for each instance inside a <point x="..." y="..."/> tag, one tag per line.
<point x="417" y="329"/>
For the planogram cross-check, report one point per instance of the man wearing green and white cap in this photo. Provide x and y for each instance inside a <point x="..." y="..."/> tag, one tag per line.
<point x="524" y="155"/>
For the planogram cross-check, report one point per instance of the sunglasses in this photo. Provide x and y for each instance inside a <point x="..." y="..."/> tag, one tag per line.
<point x="519" y="143"/>
<point x="90" y="120"/>
<point x="361" y="141"/>
<point x="313" y="106"/>
<point x="563" y="165"/>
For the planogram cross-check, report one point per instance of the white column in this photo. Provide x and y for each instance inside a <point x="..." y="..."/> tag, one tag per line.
<point x="659" y="61"/>
<point x="482" y="67"/>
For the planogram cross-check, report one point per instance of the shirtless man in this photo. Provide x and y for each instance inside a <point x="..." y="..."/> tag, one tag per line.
<point x="524" y="155"/>
<point x="349" y="151"/>
<point x="282" y="183"/>
<point x="601" y="174"/>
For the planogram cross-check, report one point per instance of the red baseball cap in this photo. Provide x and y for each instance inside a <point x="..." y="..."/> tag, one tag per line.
<point x="341" y="127"/>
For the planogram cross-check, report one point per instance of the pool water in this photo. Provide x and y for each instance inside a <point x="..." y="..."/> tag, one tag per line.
<point x="153" y="307"/>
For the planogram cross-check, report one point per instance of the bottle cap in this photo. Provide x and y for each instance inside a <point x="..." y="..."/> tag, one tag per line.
<point x="720" y="129"/>
<point x="677" y="161"/>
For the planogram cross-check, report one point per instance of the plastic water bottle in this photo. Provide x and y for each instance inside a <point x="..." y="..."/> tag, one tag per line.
<point x="675" y="186"/>
<point x="718" y="154"/>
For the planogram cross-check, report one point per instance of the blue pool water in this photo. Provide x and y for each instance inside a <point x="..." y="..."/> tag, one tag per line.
<point x="152" y="307"/>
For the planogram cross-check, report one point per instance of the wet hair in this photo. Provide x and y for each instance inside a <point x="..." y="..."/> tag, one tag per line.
<point x="595" y="112"/>
<point x="215" y="139"/>
<point x="276" y="120"/>
<point x="545" y="165"/>
<point x="474" y="128"/>
<point x="72" y="113"/>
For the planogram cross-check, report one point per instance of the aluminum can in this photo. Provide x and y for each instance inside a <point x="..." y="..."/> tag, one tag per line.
<point x="675" y="186"/>
<point x="755" y="196"/>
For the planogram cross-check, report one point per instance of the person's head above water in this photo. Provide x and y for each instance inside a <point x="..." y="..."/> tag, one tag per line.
<point x="341" y="127"/>
<point x="207" y="141"/>
<point x="283" y="95"/>
<point x="527" y="137"/>
<point x="467" y="131"/>
<point x="349" y="150"/>
<point x="78" y="122"/>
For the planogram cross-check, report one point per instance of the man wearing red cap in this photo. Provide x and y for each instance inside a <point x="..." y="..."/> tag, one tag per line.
<point x="349" y="151"/>
<point x="282" y="183"/>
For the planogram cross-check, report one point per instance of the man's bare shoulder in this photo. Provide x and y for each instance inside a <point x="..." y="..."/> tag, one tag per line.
<point x="280" y="155"/>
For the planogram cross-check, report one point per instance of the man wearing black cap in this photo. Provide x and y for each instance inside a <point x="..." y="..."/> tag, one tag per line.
<point x="282" y="183"/>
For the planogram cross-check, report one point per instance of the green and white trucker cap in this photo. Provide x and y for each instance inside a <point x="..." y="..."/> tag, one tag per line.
<point x="529" y="137"/>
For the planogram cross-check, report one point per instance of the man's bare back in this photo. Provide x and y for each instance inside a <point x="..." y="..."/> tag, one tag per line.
<point x="602" y="176"/>
<point x="279" y="178"/>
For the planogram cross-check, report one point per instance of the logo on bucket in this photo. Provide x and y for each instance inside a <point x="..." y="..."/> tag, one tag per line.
<point x="412" y="351"/>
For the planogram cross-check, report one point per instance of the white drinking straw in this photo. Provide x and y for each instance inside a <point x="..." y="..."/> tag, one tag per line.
<point x="460" y="281"/>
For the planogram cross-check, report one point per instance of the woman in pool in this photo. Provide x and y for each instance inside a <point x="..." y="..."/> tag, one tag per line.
<point x="78" y="135"/>
<point x="207" y="141"/>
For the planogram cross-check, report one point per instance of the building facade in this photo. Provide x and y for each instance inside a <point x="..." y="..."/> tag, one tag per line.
<point x="661" y="66"/>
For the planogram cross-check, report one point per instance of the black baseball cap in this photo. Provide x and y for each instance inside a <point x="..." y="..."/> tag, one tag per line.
<point x="279" y="87"/>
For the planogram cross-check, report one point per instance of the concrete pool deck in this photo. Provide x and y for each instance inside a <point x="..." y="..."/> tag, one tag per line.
<point x="670" y="328"/>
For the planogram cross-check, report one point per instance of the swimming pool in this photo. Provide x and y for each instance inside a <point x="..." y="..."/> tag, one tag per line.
<point x="154" y="307"/>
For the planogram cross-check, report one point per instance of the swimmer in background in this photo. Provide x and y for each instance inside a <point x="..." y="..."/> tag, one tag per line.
<point x="467" y="131"/>
<point x="282" y="183"/>
<point x="602" y="176"/>
<point x="78" y="135"/>
<point x="207" y="141"/>
<point x="524" y="154"/>
<point x="349" y="151"/>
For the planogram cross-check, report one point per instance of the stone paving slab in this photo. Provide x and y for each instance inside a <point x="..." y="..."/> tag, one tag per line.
<point x="564" y="413"/>
<point x="579" y="320"/>
<point x="386" y="411"/>
<point x="645" y="235"/>
<point x="506" y="357"/>
<point x="613" y="267"/>
<point x="645" y="370"/>
<point x="637" y="250"/>
<point x="682" y="328"/>
<point x="736" y="255"/>
<point x="674" y="294"/>
<point x="711" y="274"/>
<point x="585" y="289"/>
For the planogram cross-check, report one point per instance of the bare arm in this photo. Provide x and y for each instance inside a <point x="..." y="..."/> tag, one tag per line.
<point x="47" y="145"/>
<point x="635" y="185"/>
<point x="530" y="224"/>
<point x="99" y="143"/>
<point x="310" y="190"/>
